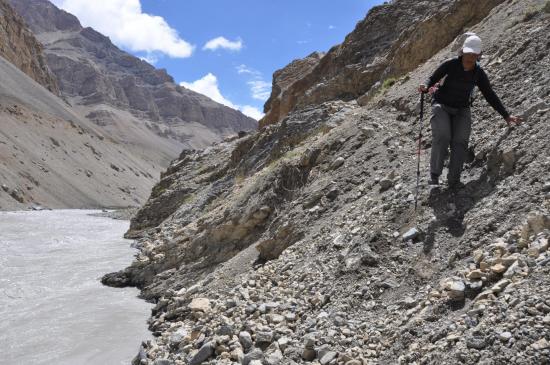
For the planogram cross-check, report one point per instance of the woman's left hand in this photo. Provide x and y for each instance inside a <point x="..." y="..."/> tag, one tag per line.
<point x="512" y="119"/>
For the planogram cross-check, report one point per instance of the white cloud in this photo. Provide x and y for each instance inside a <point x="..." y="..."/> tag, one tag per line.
<point x="150" y="58"/>
<point x="252" y="112"/>
<point x="208" y="86"/>
<point x="244" y="69"/>
<point x="331" y="27"/>
<point x="260" y="89"/>
<point x="222" y="42"/>
<point x="124" y="22"/>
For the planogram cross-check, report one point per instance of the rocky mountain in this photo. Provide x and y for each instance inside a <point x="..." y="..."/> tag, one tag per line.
<point x="118" y="125"/>
<point x="51" y="156"/>
<point x="300" y="243"/>
<point x="391" y="41"/>
<point x="19" y="46"/>
<point x="91" y="71"/>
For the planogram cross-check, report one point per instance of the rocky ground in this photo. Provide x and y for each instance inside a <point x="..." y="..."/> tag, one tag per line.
<point x="300" y="243"/>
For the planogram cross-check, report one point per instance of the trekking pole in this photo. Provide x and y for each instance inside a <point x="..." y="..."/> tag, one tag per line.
<point x="418" y="152"/>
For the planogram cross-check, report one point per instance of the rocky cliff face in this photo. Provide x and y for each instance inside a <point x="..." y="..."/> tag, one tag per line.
<point x="389" y="42"/>
<point x="92" y="71"/>
<point x="19" y="46"/>
<point x="299" y="243"/>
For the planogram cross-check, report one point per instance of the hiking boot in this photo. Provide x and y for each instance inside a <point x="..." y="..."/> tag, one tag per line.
<point x="434" y="180"/>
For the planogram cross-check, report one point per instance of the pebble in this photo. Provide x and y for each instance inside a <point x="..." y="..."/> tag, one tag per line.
<point x="246" y="340"/>
<point x="505" y="336"/>
<point x="455" y="289"/>
<point x="328" y="357"/>
<point x="411" y="234"/>
<point x="200" y="305"/>
<point x="206" y="351"/>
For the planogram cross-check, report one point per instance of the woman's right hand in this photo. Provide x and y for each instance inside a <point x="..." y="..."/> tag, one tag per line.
<point x="422" y="88"/>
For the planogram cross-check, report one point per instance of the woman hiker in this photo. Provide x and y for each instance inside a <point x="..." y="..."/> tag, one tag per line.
<point x="451" y="119"/>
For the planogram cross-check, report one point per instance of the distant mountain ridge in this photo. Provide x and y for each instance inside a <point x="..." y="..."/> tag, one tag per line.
<point x="84" y="124"/>
<point x="91" y="71"/>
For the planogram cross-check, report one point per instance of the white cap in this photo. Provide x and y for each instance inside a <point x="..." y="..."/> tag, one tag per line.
<point x="472" y="44"/>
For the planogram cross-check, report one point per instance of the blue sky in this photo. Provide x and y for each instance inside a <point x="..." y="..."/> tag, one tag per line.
<point x="227" y="50"/>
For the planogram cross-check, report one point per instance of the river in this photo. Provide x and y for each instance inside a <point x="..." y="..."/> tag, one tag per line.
<point x="53" y="309"/>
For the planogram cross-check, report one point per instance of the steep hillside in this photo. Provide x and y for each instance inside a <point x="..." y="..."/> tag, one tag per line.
<point x="293" y="244"/>
<point x="391" y="41"/>
<point x="108" y="148"/>
<point x="19" y="46"/>
<point x="52" y="157"/>
<point x="92" y="72"/>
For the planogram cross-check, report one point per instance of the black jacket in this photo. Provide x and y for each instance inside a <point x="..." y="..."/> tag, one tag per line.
<point x="458" y="85"/>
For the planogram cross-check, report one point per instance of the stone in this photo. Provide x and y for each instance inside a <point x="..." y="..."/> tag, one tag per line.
<point x="178" y="336"/>
<point x="290" y="317"/>
<point x="354" y="362"/>
<point x="533" y="252"/>
<point x="275" y="318"/>
<point x="505" y="336"/>
<point x="273" y="355"/>
<point x="477" y="343"/>
<point x="474" y="274"/>
<point x="513" y="270"/>
<point x="484" y="266"/>
<point x="540" y="244"/>
<point x="536" y="223"/>
<point x="337" y="163"/>
<point x="246" y="340"/>
<point x="367" y="132"/>
<point x="225" y="330"/>
<point x="264" y="337"/>
<point x="498" y="268"/>
<point x="478" y="256"/>
<point x="17" y="195"/>
<point x="200" y="305"/>
<point x="484" y="295"/>
<point x="328" y="357"/>
<point x="509" y="259"/>
<point x="501" y="285"/>
<point x="309" y="354"/>
<point x="409" y="302"/>
<point x="237" y="355"/>
<point x="475" y="285"/>
<point x="541" y="344"/>
<point x="309" y="341"/>
<point x="385" y="184"/>
<point x="283" y="343"/>
<point x="163" y="362"/>
<point x="411" y="234"/>
<point x="454" y="289"/>
<point x="254" y="354"/>
<point x="205" y="352"/>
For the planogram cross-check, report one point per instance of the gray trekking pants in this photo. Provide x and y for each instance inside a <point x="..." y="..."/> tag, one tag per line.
<point x="450" y="127"/>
